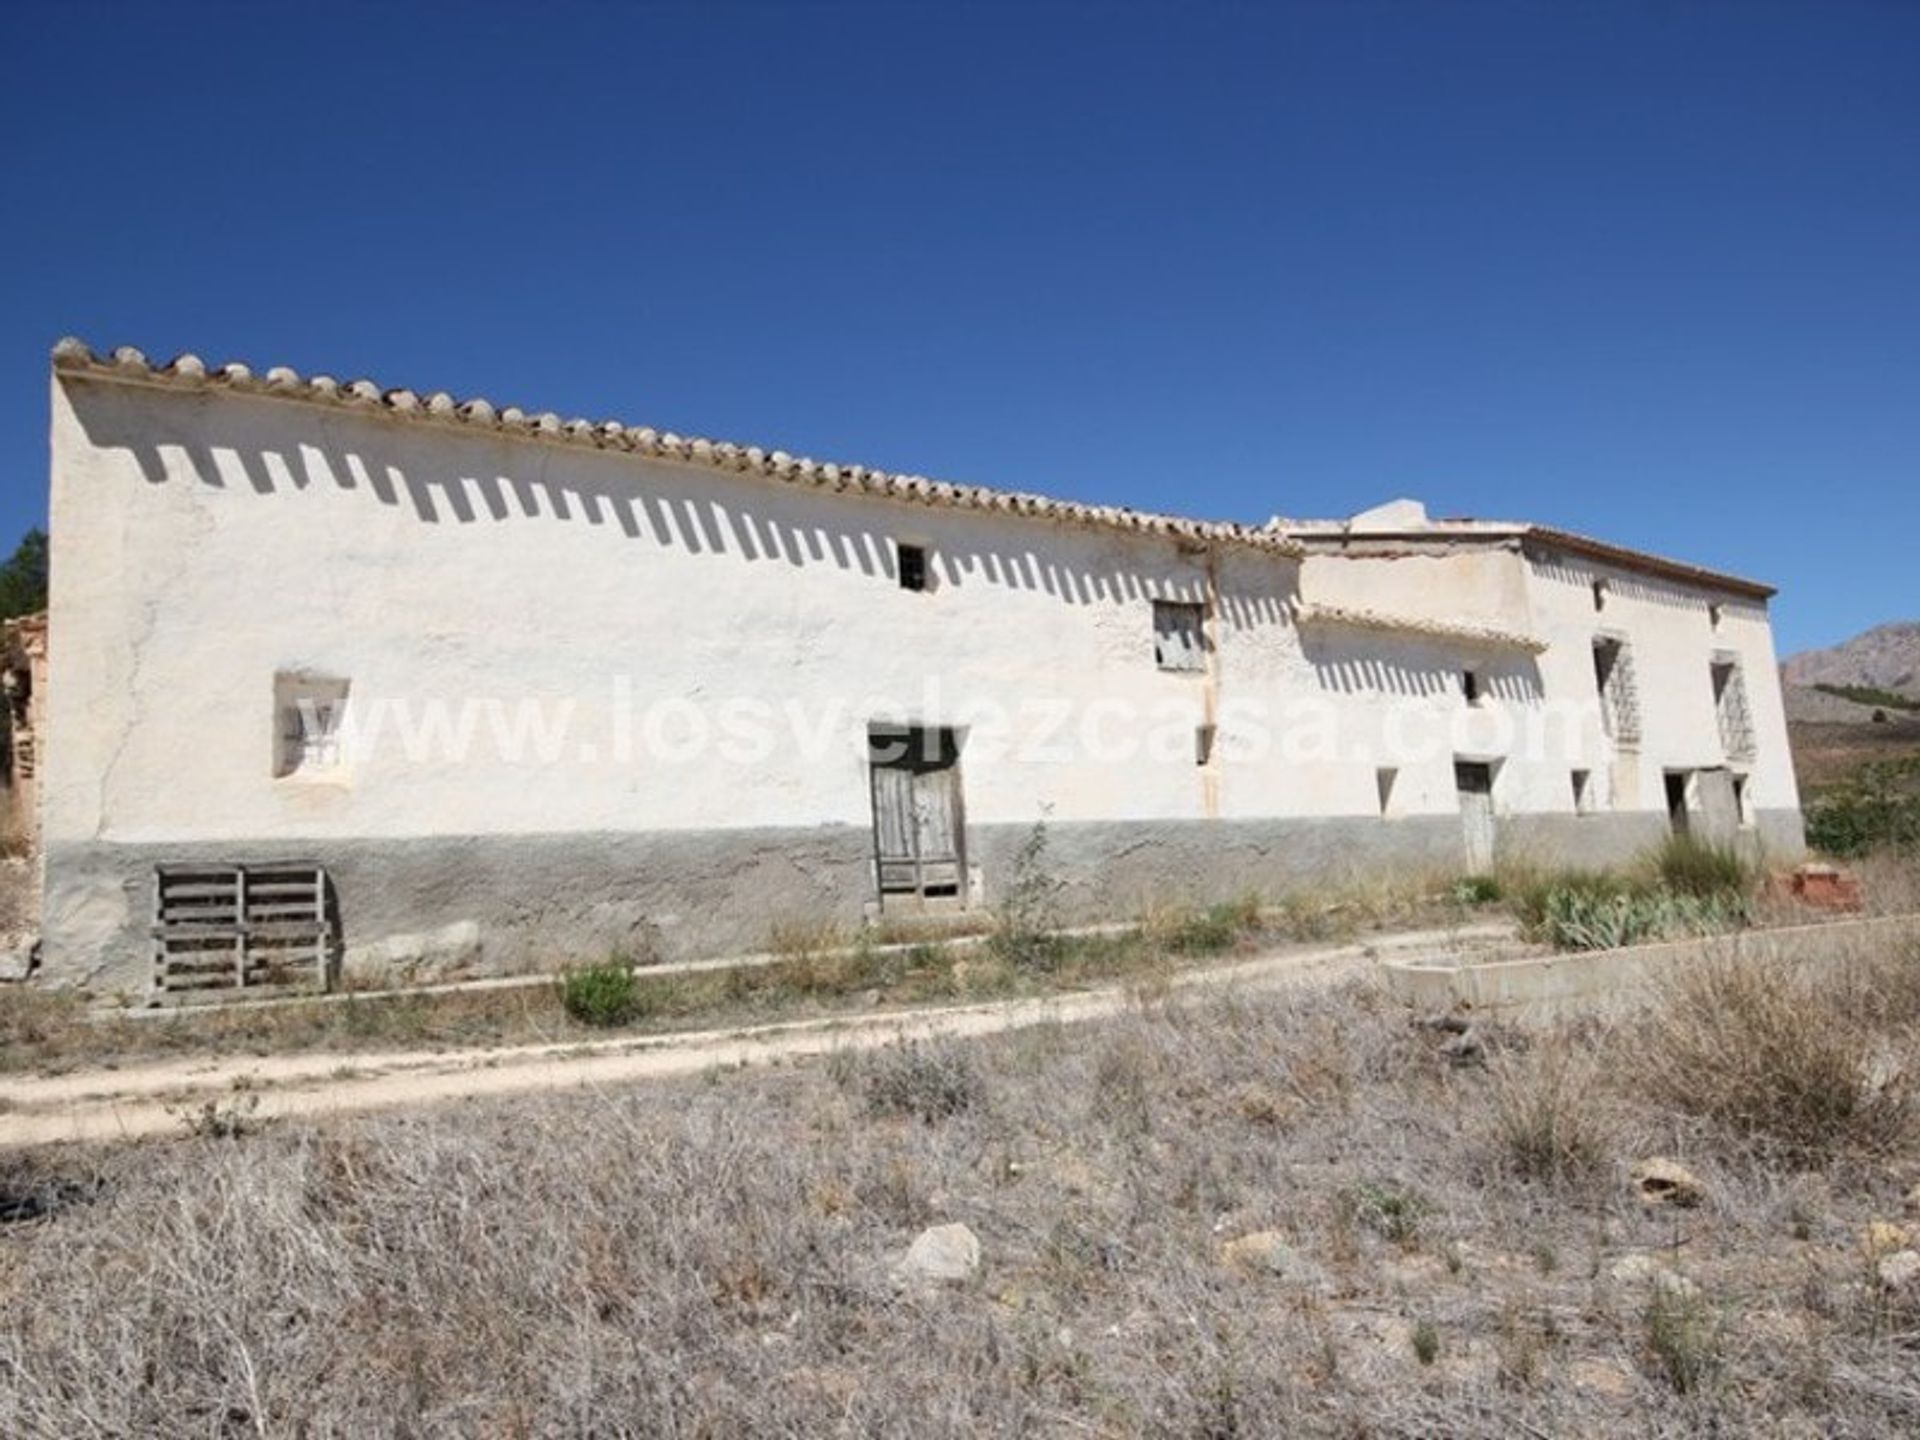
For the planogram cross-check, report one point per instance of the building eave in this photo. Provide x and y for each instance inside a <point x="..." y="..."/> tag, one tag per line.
<point x="1547" y="537"/>
<point x="1443" y="535"/>
<point x="1309" y="613"/>
<point x="74" y="359"/>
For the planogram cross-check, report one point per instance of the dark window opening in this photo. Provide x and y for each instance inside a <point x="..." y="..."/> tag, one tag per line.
<point x="912" y="567"/>
<point x="1179" y="635"/>
<point x="1582" y="791"/>
<point x="1470" y="686"/>
<point x="1203" y="736"/>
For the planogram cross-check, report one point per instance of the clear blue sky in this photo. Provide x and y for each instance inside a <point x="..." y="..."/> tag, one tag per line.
<point x="1647" y="270"/>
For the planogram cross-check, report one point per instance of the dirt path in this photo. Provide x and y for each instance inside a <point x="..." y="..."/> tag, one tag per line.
<point x="118" y="1104"/>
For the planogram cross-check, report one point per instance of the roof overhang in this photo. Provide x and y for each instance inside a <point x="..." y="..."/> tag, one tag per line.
<point x="1464" y="632"/>
<point x="74" y="360"/>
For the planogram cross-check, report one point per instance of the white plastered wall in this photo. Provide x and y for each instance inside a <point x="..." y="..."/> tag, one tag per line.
<point x="209" y="542"/>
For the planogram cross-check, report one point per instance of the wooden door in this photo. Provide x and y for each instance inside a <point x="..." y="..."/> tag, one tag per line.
<point x="918" y="826"/>
<point x="1475" y="784"/>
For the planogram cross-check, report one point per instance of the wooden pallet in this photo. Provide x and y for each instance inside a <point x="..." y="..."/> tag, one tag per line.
<point x="219" y="930"/>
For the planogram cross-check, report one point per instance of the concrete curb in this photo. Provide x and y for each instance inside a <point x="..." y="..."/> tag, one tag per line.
<point x="1548" y="986"/>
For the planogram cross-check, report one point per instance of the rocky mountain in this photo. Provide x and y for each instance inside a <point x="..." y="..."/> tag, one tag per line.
<point x="1886" y="657"/>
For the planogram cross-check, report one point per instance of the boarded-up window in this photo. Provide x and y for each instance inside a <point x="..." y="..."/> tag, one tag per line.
<point x="1179" y="635"/>
<point x="221" y="928"/>
<point x="1730" y="708"/>
<point x="1619" y="698"/>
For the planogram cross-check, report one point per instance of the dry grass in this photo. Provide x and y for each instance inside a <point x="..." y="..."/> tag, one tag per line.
<point x="813" y="975"/>
<point x="1550" y="1119"/>
<point x="714" y="1258"/>
<point x="1815" y="1063"/>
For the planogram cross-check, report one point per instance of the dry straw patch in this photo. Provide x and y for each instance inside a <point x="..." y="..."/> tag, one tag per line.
<point x="1816" y="1062"/>
<point x="1221" y="1215"/>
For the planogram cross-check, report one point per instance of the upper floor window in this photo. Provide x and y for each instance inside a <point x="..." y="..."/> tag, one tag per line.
<point x="1471" y="687"/>
<point x="1179" y="635"/>
<point x="911" y="564"/>
<point x="1619" y="698"/>
<point x="1730" y="707"/>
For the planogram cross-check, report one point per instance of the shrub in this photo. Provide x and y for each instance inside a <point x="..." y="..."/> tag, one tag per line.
<point x="1390" y="1211"/>
<point x="1686" y="887"/>
<point x="1683" y="1337"/>
<point x="1778" y="1056"/>
<point x="1588" y="919"/>
<point x="1872" y="695"/>
<point x="1690" y="866"/>
<point x="602" y="995"/>
<point x="805" y="938"/>
<point x="1028" y="914"/>
<point x="926" y="1082"/>
<point x="1878" y="808"/>
<point x="1544" y="1116"/>
<point x="1534" y="897"/>
<point x="1207" y="932"/>
<point x="221" y="1119"/>
<point x="1477" y="890"/>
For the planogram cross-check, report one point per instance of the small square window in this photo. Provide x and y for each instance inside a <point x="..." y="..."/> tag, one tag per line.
<point x="911" y="562"/>
<point x="1179" y="635"/>
<point x="1583" y="792"/>
<point x="1384" y="779"/>
<point x="308" y="715"/>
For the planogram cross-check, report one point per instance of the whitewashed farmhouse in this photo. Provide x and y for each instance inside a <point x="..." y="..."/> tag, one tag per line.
<point x="346" y="675"/>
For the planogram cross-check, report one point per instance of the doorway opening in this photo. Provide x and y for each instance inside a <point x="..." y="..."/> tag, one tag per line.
<point x="1677" y="813"/>
<point x="1474" y="781"/>
<point x="919" y="823"/>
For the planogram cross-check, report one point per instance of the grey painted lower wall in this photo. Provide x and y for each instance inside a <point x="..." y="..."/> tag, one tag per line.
<point x="498" y="904"/>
